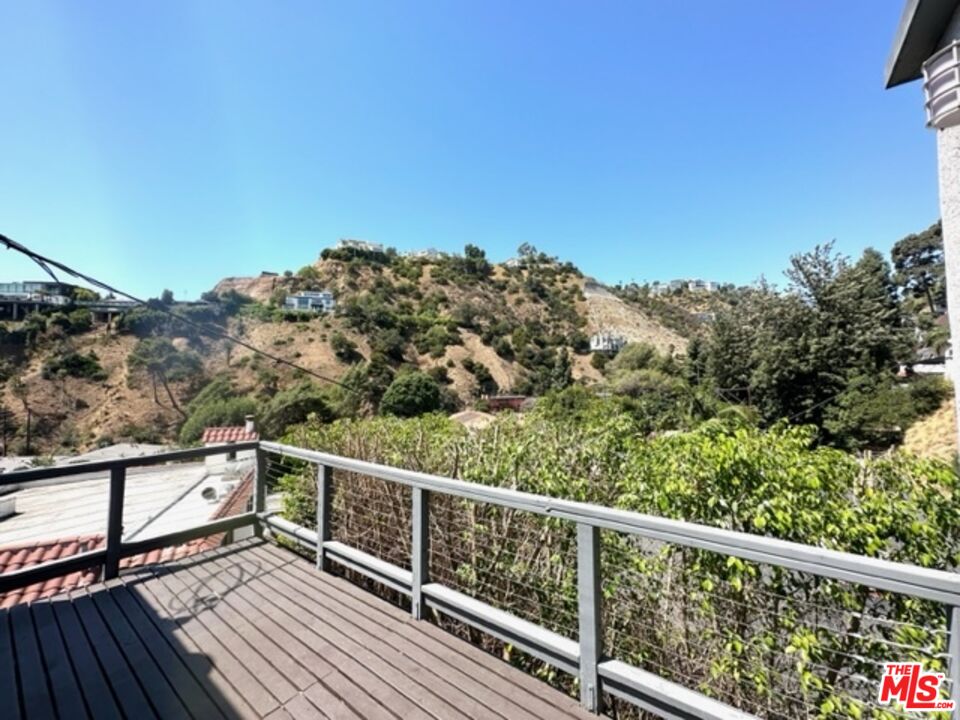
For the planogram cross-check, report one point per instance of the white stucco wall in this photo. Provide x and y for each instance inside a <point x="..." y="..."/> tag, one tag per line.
<point x="948" y="157"/>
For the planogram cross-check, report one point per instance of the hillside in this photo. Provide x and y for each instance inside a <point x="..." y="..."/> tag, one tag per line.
<point x="608" y="313"/>
<point x="934" y="436"/>
<point x="477" y="328"/>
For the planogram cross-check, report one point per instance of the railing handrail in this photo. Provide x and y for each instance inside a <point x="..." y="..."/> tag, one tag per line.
<point x="596" y="673"/>
<point x="937" y="585"/>
<point x="115" y="548"/>
<point x="22" y="477"/>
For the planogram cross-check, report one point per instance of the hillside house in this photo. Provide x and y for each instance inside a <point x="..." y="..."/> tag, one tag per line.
<point x="427" y="254"/>
<point x="320" y="301"/>
<point x="19" y="298"/>
<point x="43" y="288"/>
<point x="362" y="245"/>
<point x="930" y="362"/>
<point x="607" y="342"/>
<point x="694" y="285"/>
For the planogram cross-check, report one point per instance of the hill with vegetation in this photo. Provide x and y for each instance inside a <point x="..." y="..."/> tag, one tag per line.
<point x="471" y="327"/>
<point x="412" y="335"/>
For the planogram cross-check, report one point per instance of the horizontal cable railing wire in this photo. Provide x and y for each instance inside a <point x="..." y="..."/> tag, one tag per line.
<point x="372" y="515"/>
<point x="367" y="513"/>
<point x="815" y="648"/>
<point x="512" y="560"/>
<point x="773" y="628"/>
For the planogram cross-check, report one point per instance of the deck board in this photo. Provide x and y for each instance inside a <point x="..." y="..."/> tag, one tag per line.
<point x="122" y="678"/>
<point x="424" y="672"/>
<point x="94" y="686"/>
<point x="63" y="683"/>
<point x="171" y="665"/>
<point x="361" y="641"/>
<point x="9" y="703"/>
<point x="533" y="698"/>
<point x="36" y="695"/>
<point x="249" y="631"/>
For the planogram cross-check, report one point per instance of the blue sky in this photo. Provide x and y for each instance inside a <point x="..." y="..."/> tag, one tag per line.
<point x="170" y="144"/>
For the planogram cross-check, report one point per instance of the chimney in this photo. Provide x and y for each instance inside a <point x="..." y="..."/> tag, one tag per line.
<point x="248" y="424"/>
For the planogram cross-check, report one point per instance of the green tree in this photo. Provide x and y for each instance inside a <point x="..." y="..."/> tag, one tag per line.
<point x="411" y="394"/>
<point x="344" y="348"/>
<point x="308" y="272"/>
<point x="793" y="354"/>
<point x="162" y="362"/>
<point x="81" y="294"/>
<point x="474" y="262"/>
<point x="215" y="412"/>
<point x="294" y="405"/>
<point x="918" y="261"/>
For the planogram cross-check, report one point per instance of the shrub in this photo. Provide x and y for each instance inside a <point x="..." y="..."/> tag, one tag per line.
<point x="294" y="405"/>
<point x="486" y="385"/>
<point x="344" y="348"/>
<point x="435" y="340"/>
<point x="72" y="323"/>
<point x="504" y="349"/>
<point x="215" y="411"/>
<point x="73" y="364"/>
<point x="928" y="393"/>
<point x="411" y="394"/>
<point x="783" y="637"/>
<point x="389" y="343"/>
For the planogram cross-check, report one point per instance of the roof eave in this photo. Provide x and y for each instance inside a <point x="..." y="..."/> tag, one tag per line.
<point x="917" y="38"/>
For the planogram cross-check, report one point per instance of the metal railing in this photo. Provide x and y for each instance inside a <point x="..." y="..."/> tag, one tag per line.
<point x="116" y="549"/>
<point x="405" y="555"/>
<point x="581" y="650"/>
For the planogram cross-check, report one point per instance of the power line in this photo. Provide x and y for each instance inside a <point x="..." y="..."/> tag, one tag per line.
<point x="46" y="263"/>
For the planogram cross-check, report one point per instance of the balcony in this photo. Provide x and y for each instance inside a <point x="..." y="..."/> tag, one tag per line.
<point x="371" y="611"/>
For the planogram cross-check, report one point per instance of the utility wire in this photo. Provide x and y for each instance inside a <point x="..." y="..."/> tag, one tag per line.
<point x="211" y="330"/>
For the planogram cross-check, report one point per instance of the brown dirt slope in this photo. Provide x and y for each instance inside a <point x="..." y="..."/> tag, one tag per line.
<point x="935" y="436"/>
<point x="608" y="313"/>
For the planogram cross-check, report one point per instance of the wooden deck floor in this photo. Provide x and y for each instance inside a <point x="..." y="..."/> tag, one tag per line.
<point x="248" y="631"/>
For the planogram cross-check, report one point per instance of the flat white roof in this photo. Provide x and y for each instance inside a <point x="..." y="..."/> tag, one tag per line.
<point x="158" y="500"/>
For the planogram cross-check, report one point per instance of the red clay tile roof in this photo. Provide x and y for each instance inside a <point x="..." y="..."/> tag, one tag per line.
<point x="16" y="557"/>
<point x="232" y="433"/>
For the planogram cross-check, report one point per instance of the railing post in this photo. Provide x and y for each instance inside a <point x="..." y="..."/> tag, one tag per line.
<point x="324" y="530"/>
<point x="420" y="545"/>
<point x="589" y="601"/>
<point x="118" y="482"/>
<point x="260" y="489"/>
<point x="953" y="650"/>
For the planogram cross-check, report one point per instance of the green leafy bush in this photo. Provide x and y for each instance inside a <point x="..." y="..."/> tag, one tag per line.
<point x="73" y="364"/>
<point x="410" y="394"/>
<point x="762" y="638"/>
<point x="344" y="348"/>
<point x="294" y="405"/>
<point x="215" y="412"/>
